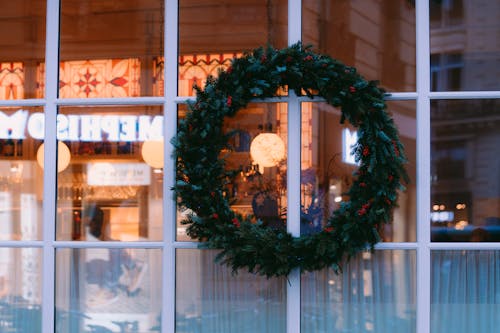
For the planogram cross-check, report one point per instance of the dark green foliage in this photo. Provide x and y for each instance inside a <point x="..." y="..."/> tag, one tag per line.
<point x="201" y="177"/>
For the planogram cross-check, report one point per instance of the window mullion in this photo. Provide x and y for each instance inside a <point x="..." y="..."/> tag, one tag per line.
<point x="293" y="204"/>
<point x="423" y="296"/>
<point x="170" y="129"/>
<point x="293" y="173"/>
<point x="49" y="174"/>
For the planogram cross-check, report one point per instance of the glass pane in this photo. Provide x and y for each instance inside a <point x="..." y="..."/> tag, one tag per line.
<point x="110" y="163"/>
<point x="110" y="48"/>
<point x="465" y="291"/>
<point x="108" y="290"/>
<point x="374" y="293"/>
<point x="194" y="70"/>
<point x="22" y="48"/>
<point x="377" y="37"/>
<point x="20" y="290"/>
<point x="212" y="32"/>
<point x="464" y="45"/>
<point x="21" y="175"/>
<point x="211" y="299"/>
<point x="465" y="198"/>
<point x="259" y="189"/>
<point x="327" y="168"/>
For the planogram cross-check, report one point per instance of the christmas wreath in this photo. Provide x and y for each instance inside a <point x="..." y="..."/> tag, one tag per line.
<point x="202" y="179"/>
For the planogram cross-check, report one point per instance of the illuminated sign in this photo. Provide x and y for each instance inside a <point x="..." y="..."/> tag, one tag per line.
<point x="349" y="139"/>
<point x="118" y="174"/>
<point x="442" y="216"/>
<point x="83" y="127"/>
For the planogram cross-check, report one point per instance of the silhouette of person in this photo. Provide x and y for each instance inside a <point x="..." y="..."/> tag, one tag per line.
<point x="112" y="270"/>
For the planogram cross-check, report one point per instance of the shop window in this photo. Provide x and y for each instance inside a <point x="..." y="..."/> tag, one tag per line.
<point x="110" y="168"/>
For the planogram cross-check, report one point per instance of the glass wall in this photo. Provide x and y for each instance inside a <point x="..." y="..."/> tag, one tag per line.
<point x="374" y="293"/>
<point x="23" y="48"/>
<point x="114" y="168"/>
<point x="376" y="37"/>
<point x="211" y="299"/>
<point x="20" y="289"/>
<point x="90" y="236"/>
<point x="21" y="170"/>
<point x="110" y="49"/>
<point x="328" y="165"/>
<point x="107" y="290"/>
<point x="465" y="201"/>
<point x="465" y="291"/>
<point x="463" y="45"/>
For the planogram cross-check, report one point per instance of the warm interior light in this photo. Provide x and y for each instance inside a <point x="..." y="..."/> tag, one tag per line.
<point x="63" y="156"/>
<point x="267" y="149"/>
<point x="152" y="153"/>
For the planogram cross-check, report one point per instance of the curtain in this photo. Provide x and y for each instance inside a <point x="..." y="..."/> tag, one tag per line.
<point x="374" y="293"/>
<point x="465" y="291"/>
<point x="211" y="299"/>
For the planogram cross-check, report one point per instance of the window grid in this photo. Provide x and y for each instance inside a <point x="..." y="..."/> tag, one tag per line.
<point x="423" y="95"/>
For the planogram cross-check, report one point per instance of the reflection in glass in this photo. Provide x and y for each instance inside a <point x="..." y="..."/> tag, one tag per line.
<point x="107" y="290"/>
<point x="211" y="33"/>
<point x="464" y="146"/>
<point x="328" y="165"/>
<point x="22" y="46"/>
<point x="209" y="298"/>
<point x="20" y="290"/>
<point x="374" y="293"/>
<point x="194" y="70"/>
<point x="465" y="291"/>
<point x="376" y="37"/>
<point x="257" y="151"/>
<point x="116" y="168"/>
<point x="213" y="27"/>
<point x="464" y="45"/>
<point x="110" y="49"/>
<point x="21" y="178"/>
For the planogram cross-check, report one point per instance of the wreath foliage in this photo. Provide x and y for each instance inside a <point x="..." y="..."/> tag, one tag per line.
<point x="202" y="177"/>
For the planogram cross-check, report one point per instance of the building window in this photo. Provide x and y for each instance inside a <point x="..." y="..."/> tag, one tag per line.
<point x="446" y="72"/>
<point x="90" y="235"/>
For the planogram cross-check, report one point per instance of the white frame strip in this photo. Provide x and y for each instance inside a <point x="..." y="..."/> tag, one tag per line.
<point x="423" y="291"/>
<point x="170" y="129"/>
<point x="293" y="312"/>
<point x="49" y="174"/>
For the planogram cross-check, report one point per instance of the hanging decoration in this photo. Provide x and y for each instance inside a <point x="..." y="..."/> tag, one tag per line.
<point x="244" y="241"/>
<point x="63" y="156"/>
<point x="267" y="149"/>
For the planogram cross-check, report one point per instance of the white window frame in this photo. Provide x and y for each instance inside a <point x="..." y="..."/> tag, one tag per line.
<point x="423" y="96"/>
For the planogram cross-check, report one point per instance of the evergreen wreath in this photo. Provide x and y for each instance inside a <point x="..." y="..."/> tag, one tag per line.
<point x="202" y="179"/>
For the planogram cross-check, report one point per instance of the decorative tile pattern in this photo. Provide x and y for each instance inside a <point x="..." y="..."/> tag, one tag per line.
<point x="99" y="78"/>
<point x="11" y="80"/>
<point x="194" y="69"/>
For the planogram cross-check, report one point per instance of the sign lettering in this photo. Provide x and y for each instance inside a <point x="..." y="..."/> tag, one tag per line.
<point x="113" y="128"/>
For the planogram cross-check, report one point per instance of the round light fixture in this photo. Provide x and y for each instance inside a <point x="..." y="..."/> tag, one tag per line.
<point x="267" y="149"/>
<point x="63" y="156"/>
<point x="152" y="153"/>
